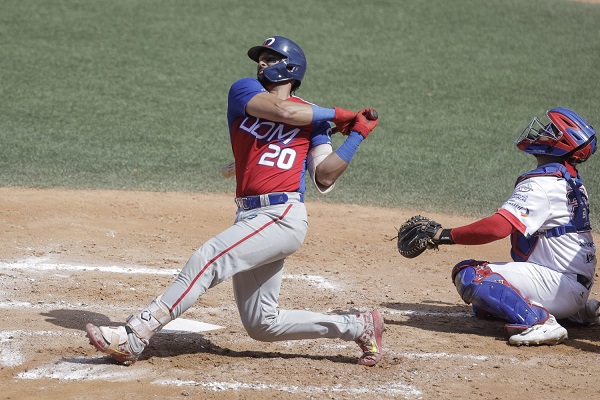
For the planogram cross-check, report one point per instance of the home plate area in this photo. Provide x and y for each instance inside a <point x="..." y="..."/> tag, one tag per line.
<point x="184" y="345"/>
<point x="73" y="257"/>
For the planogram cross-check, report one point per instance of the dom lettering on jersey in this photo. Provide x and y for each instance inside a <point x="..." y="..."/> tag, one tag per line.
<point x="268" y="130"/>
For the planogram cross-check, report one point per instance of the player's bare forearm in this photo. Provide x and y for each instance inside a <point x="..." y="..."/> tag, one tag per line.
<point x="270" y="107"/>
<point x="330" y="169"/>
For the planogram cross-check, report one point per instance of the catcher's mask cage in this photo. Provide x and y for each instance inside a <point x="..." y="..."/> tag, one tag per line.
<point x="291" y="67"/>
<point x="566" y="134"/>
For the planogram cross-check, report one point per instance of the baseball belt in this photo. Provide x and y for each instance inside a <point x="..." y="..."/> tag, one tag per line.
<point x="263" y="200"/>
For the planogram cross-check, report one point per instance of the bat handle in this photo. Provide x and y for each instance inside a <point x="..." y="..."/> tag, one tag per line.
<point x="372" y="114"/>
<point x="228" y="170"/>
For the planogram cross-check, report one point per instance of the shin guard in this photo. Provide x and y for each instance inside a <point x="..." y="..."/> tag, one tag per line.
<point x="489" y="292"/>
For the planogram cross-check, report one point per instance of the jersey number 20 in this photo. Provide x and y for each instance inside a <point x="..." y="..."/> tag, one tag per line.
<point x="282" y="158"/>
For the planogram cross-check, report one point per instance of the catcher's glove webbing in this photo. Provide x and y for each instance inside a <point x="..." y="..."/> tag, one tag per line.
<point x="416" y="235"/>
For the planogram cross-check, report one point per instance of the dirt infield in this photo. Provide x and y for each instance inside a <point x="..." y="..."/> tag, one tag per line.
<point x="68" y="257"/>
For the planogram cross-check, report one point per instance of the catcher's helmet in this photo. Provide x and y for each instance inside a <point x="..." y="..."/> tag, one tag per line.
<point x="293" y="65"/>
<point x="566" y="135"/>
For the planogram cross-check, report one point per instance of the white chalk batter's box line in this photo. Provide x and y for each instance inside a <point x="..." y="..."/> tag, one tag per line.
<point x="393" y="389"/>
<point x="11" y="343"/>
<point x="75" y="369"/>
<point x="40" y="264"/>
<point x="61" y="305"/>
<point x="96" y="369"/>
<point x="89" y="369"/>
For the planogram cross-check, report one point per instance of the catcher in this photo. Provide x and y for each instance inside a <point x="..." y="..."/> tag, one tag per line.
<point x="553" y="252"/>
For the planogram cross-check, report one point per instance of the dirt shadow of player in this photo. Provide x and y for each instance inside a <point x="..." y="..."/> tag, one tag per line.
<point x="164" y="345"/>
<point x="444" y="317"/>
<point x="450" y="318"/>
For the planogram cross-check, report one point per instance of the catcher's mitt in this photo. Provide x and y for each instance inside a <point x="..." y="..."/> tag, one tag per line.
<point x="416" y="235"/>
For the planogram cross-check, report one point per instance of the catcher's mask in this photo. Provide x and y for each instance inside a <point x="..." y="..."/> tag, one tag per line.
<point x="566" y="134"/>
<point x="291" y="67"/>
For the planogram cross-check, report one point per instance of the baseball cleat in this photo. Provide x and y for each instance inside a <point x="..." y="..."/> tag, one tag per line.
<point x="550" y="333"/>
<point x="370" y="340"/>
<point x="116" y="342"/>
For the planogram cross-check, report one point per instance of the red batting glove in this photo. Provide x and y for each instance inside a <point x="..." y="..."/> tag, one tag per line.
<point x="343" y="120"/>
<point x="363" y="125"/>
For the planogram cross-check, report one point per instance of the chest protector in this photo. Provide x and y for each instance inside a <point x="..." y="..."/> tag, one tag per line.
<point x="523" y="246"/>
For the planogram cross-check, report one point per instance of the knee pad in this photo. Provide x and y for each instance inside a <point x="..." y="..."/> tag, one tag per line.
<point x="464" y="273"/>
<point x="490" y="293"/>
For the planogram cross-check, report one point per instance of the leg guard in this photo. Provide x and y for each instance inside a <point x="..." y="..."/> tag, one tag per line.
<point x="489" y="292"/>
<point x="150" y="320"/>
<point x="472" y="269"/>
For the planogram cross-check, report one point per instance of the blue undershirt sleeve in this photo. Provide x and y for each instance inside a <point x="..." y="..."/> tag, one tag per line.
<point x="322" y="114"/>
<point x="347" y="150"/>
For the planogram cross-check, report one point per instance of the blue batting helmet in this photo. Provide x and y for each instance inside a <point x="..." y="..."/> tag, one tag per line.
<point x="566" y="134"/>
<point x="293" y="65"/>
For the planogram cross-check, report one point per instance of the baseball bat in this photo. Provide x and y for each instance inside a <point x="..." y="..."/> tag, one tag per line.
<point x="228" y="170"/>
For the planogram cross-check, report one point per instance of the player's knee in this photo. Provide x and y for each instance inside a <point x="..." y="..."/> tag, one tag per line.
<point x="466" y="264"/>
<point x="491" y="294"/>
<point x="463" y="281"/>
<point x="261" y="333"/>
<point x="464" y="274"/>
<point x="260" y="329"/>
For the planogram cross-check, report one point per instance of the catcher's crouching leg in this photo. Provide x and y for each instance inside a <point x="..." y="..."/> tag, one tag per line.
<point x="489" y="292"/>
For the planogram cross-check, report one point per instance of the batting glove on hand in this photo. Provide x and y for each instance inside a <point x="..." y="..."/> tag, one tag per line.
<point x="363" y="124"/>
<point x="343" y="120"/>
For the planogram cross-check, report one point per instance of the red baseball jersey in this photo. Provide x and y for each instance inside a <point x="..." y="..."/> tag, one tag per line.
<point x="269" y="156"/>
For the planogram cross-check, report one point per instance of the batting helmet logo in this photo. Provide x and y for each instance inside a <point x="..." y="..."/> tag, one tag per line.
<point x="268" y="42"/>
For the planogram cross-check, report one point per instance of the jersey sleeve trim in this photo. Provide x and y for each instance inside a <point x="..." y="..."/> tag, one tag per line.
<point x="513" y="220"/>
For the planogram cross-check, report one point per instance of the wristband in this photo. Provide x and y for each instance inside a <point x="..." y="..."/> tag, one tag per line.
<point x="445" y="237"/>
<point x="322" y="114"/>
<point x="348" y="148"/>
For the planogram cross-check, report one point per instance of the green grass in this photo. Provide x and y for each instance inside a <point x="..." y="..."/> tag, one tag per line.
<point x="132" y="94"/>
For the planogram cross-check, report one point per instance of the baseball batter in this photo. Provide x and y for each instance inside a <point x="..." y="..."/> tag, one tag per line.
<point x="553" y="252"/>
<point x="276" y="137"/>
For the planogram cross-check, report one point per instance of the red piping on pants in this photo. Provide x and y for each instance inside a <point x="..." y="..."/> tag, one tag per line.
<point x="209" y="263"/>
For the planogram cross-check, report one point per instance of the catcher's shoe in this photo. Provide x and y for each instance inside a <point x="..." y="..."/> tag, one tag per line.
<point x="370" y="340"/>
<point x="589" y="314"/>
<point x="550" y="333"/>
<point x="117" y="342"/>
<point x="592" y="311"/>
